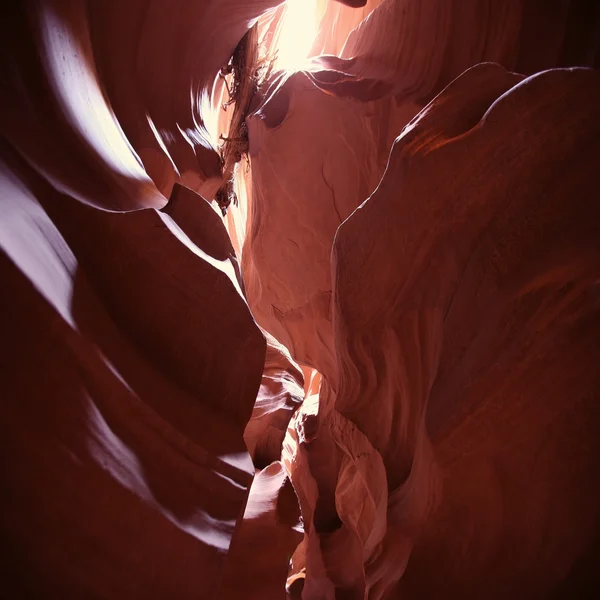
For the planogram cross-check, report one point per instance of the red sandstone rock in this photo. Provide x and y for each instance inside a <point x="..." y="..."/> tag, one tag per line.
<point x="467" y="353"/>
<point x="124" y="469"/>
<point x="450" y="448"/>
<point x="281" y="393"/>
<point x="297" y="205"/>
<point x="391" y="70"/>
<point x="258" y="562"/>
<point x="157" y="63"/>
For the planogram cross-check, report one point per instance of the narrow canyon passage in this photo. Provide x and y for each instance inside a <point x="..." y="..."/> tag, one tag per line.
<point x="300" y="299"/>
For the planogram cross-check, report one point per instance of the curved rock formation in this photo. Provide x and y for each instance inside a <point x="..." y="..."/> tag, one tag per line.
<point x="413" y="414"/>
<point x="280" y="394"/>
<point x="257" y="565"/>
<point x="297" y="205"/>
<point x="116" y="437"/>
<point x="130" y="361"/>
<point x="372" y="91"/>
<point x="479" y="353"/>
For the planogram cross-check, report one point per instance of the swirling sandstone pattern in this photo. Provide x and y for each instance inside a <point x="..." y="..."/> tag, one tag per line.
<point x="422" y="231"/>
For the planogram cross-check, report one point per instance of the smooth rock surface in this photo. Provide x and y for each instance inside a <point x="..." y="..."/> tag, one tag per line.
<point x="466" y="352"/>
<point x="417" y="238"/>
<point x="124" y="469"/>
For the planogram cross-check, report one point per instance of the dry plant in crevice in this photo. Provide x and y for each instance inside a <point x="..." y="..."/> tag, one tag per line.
<point x="249" y="66"/>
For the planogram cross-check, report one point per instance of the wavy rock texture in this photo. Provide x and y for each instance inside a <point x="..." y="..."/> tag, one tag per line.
<point x="280" y="394"/>
<point x="155" y="445"/>
<point x="130" y="361"/>
<point x="384" y="76"/>
<point x="466" y="355"/>
<point x="297" y="205"/>
<point x="113" y="92"/>
<point x="413" y="49"/>
<point x="125" y="391"/>
<point x="380" y="365"/>
<point x="339" y="19"/>
<point x="479" y="352"/>
<point x="257" y="566"/>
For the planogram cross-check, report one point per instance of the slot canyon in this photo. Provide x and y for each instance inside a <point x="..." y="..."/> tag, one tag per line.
<point x="300" y="300"/>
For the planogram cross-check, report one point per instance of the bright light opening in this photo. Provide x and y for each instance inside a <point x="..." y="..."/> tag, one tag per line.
<point x="298" y="30"/>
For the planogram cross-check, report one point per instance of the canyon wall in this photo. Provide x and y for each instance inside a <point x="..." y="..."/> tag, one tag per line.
<point x="420" y="226"/>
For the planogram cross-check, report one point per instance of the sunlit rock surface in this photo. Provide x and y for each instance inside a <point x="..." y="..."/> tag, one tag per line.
<point x="297" y="205"/>
<point x="376" y="378"/>
<point x="281" y="393"/>
<point x="257" y="565"/>
<point x="130" y="362"/>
